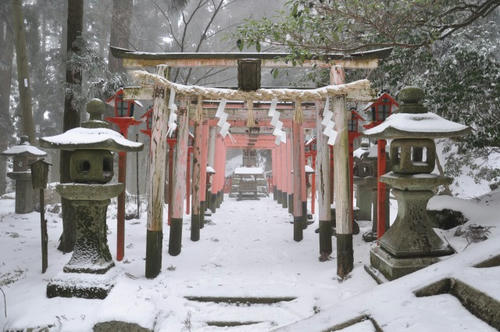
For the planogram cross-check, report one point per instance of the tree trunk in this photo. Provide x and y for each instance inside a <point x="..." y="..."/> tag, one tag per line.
<point x="23" y="71"/>
<point x="120" y="31"/>
<point x="71" y="117"/>
<point x="6" y="55"/>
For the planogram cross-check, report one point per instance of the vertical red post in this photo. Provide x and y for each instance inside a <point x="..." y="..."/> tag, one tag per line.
<point x="303" y="187"/>
<point x="381" y="212"/>
<point x="120" y="213"/>
<point x="171" y="144"/>
<point x="351" y="174"/>
<point x="313" y="183"/>
<point x="188" y="182"/>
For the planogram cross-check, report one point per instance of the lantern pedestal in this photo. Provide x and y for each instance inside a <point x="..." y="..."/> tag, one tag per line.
<point x="91" y="254"/>
<point x="411" y="243"/>
<point x="24" y="191"/>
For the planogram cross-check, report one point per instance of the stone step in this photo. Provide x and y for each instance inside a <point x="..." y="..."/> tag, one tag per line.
<point x="240" y="300"/>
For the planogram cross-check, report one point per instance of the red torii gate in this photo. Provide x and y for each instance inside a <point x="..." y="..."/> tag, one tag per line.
<point x="160" y="92"/>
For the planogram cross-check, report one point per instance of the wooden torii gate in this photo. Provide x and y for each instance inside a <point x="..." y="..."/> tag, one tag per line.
<point x="338" y="91"/>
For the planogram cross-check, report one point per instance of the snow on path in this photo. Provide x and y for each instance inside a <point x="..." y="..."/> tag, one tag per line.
<point x="246" y="250"/>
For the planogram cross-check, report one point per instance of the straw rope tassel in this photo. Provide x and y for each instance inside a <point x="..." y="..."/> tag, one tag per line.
<point x="298" y="117"/>
<point x="251" y="116"/>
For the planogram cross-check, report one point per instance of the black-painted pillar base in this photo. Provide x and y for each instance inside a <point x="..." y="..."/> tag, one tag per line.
<point x="284" y="200"/>
<point x="175" y="237"/>
<point x="304" y="213"/>
<point x="298" y="229"/>
<point x="195" y="227"/>
<point x="279" y="196"/>
<point x="325" y="238"/>
<point x="220" y="198"/>
<point x="345" y="255"/>
<point x="154" y="242"/>
<point x="290" y="203"/>
<point x="212" y="204"/>
<point x="275" y="192"/>
<point x="202" y="214"/>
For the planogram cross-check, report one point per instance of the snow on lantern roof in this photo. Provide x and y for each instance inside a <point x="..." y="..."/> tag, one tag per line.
<point x="248" y="170"/>
<point x="370" y="152"/>
<point x="90" y="138"/>
<point x="210" y="170"/>
<point x="308" y="169"/>
<point x="419" y="125"/>
<point x="24" y="148"/>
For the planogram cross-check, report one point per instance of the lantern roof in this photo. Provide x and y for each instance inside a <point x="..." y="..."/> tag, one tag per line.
<point x="312" y="140"/>
<point x="210" y="170"/>
<point x="248" y="170"/>
<point x="24" y="147"/>
<point x="90" y="139"/>
<point x="92" y="136"/>
<point x="413" y="121"/>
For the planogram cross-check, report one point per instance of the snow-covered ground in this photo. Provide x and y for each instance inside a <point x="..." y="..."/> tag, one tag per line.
<point x="246" y="250"/>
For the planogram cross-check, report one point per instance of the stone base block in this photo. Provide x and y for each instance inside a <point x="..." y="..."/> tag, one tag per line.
<point x="392" y="267"/>
<point x="82" y="285"/>
<point x="114" y="325"/>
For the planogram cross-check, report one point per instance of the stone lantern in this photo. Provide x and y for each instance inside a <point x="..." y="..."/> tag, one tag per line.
<point x="411" y="243"/>
<point x="87" y="273"/>
<point x="365" y="182"/>
<point x="24" y="155"/>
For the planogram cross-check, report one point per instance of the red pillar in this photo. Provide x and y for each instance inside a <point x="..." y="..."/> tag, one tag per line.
<point x="332" y="195"/>
<point x="289" y="165"/>
<point x="171" y="146"/>
<point x="188" y="182"/>
<point x="120" y="213"/>
<point x="313" y="183"/>
<point x="351" y="174"/>
<point x="203" y="171"/>
<point x="381" y="213"/>
<point x="303" y="188"/>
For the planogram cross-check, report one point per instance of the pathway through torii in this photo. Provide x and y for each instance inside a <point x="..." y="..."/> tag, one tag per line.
<point x="190" y="109"/>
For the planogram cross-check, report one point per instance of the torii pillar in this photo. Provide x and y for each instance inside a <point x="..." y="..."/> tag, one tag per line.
<point x="203" y="175"/>
<point x="179" y="182"/>
<point x="196" y="187"/>
<point x="289" y="159"/>
<point x="298" y="218"/>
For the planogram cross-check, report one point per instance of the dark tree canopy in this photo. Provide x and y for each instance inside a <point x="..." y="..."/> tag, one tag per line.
<point x="320" y="26"/>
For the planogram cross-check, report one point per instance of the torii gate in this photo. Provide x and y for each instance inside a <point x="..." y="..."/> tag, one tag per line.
<point x="249" y="84"/>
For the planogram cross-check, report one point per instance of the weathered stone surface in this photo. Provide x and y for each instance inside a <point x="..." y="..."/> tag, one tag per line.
<point x="411" y="235"/>
<point x="478" y="303"/>
<point x="81" y="191"/>
<point x="83" y="285"/>
<point x="395" y="267"/>
<point x="446" y="218"/>
<point x="402" y="153"/>
<point x="113" y="326"/>
<point x="91" y="166"/>
<point x="414" y="181"/>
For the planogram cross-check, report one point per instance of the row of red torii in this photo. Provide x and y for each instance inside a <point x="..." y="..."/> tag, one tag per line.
<point x="197" y="107"/>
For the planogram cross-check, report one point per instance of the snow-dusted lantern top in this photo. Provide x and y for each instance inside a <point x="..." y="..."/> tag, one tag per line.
<point x="91" y="161"/>
<point x="414" y="128"/>
<point x="24" y="154"/>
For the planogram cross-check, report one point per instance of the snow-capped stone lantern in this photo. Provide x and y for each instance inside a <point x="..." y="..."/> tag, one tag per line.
<point x="91" y="168"/>
<point x="24" y="154"/>
<point x="411" y="243"/>
<point x="365" y="182"/>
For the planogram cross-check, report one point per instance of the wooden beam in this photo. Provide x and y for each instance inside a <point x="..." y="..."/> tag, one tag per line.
<point x="158" y="150"/>
<point x="357" y="60"/>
